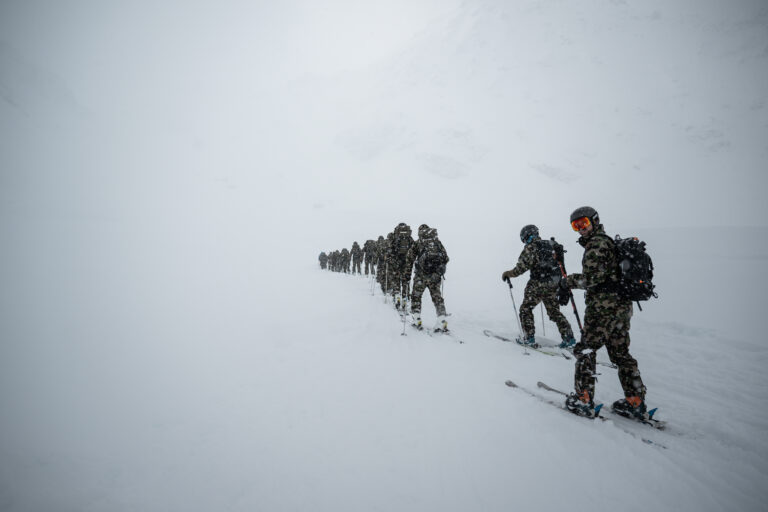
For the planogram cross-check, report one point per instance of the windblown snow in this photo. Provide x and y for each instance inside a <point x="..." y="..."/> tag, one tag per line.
<point x="169" y="173"/>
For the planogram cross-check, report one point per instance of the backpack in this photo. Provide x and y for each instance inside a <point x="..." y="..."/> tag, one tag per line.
<point x="549" y="255"/>
<point x="431" y="258"/>
<point x="402" y="242"/>
<point x="635" y="270"/>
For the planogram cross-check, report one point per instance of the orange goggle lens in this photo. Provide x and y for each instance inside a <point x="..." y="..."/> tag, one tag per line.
<point x="581" y="223"/>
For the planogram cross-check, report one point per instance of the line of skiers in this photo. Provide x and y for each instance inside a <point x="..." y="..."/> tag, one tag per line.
<point x="393" y="261"/>
<point x="339" y="261"/>
<point x="615" y="272"/>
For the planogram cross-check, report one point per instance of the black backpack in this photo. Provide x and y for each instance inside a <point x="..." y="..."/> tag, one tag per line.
<point x="402" y="242"/>
<point x="635" y="270"/>
<point x="431" y="258"/>
<point x="549" y="255"/>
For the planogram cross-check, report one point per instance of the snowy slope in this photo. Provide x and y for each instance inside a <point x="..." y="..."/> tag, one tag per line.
<point x="236" y="408"/>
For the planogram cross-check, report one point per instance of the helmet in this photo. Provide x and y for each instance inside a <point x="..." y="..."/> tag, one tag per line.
<point x="423" y="231"/>
<point x="586" y="211"/>
<point x="528" y="233"/>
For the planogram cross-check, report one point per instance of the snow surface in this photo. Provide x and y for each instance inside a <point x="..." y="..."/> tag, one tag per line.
<point x="170" y="171"/>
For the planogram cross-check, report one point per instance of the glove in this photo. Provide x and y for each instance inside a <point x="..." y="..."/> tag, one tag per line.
<point x="563" y="293"/>
<point x="506" y="276"/>
<point x="441" y="270"/>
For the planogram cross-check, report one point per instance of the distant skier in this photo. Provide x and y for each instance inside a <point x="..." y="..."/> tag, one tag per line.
<point x="323" y="260"/>
<point x="429" y="258"/>
<point x="369" y="256"/>
<point x="333" y="258"/>
<point x="606" y="321"/>
<point x="357" y="256"/>
<point x="345" y="260"/>
<point x="398" y="264"/>
<point x="383" y="272"/>
<point x="541" y="258"/>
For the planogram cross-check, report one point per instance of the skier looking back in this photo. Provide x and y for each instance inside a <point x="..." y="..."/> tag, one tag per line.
<point x="606" y="321"/>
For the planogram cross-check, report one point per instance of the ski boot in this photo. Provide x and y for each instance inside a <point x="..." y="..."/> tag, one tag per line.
<point x="442" y="324"/>
<point x="582" y="405"/>
<point x="417" y="321"/>
<point x="631" y="407"/>
<point x="527" y="341"/>
<point x="568" y="343"/>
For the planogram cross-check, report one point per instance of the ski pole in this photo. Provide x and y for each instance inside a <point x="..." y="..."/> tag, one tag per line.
<point x="404" y="314"/>
<point x="386" y="275"/>
<point x="570" y="294"/>
<point x="519" y="327"/>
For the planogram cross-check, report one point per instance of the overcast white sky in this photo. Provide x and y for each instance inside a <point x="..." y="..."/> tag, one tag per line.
<point x="654" y="112"/>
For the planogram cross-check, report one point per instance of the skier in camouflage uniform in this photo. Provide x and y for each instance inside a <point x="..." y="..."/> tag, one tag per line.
<point x="345" y="260"/>
<point x="606" y="321"/>
<point x="429" y="258"/>
<point x="334" y="261"/>
<point x="383" y="275"/>
<point x="357" y="255"/>
<point x="369" y="256"/>
<point x="323" y="260"/>
<point x="398" y="265"/>
<point x="542" y="285"/>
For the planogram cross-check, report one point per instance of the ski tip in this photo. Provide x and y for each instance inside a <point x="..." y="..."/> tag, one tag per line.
<point x="510" y="384"/>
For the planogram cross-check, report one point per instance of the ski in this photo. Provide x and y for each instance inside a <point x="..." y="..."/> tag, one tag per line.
<point x="566" y="353"/>
<point x="446" y="333"/>
<point x="432" y="333"/>
<point x="650" y="421"/>
<point x="561" y="405"/>
<point x="537" y="347"/>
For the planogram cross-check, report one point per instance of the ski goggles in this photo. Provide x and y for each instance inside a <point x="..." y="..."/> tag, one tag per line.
<point x="581" y="223"/>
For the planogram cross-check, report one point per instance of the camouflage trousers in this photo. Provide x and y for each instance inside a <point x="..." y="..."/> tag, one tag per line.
<point x="546" y="292"/>
<point x="606" y="322"/>
<point x="384" y="277"/>
<point x="401" y="281"/>
<point x="356" y="265"/>
<point x="432" y="282"/>
<point x="369" y="264"/>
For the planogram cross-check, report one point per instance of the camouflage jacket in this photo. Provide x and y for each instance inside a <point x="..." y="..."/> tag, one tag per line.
<point x="527" y="260"/>
<point x="383" y="249"/>
<point x="369" y="250"/>
<point x="397" y="250"/>
<point x="356" y="252"/>
<point x="418" y="248"/>
<point x="599" y="268"/>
